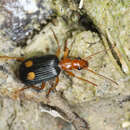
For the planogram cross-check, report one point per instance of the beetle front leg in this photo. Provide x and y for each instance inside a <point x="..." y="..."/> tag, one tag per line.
<point x="66" y="50"/>
<point x="58" y="49"/>
<point x="73" y="75"/>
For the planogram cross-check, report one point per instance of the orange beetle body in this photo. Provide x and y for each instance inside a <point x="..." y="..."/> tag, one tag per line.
<point x="70" y="64"/>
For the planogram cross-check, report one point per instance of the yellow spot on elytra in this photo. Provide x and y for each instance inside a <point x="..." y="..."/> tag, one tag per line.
<point x="29" y="63"/>
<point x="31" y="76"/>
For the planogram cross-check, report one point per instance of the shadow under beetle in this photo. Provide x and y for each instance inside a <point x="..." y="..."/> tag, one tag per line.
<point x="41" y="69"/>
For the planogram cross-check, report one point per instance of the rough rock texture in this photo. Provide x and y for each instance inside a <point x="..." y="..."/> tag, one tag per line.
<point x="21" y="20"/>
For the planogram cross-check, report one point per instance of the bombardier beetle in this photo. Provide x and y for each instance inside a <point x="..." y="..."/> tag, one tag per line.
<point x="44" y="68"/>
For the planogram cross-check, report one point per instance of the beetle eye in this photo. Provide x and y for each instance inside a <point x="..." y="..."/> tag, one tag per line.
<point x="78" y="58"/>
<point x="79" y="68"/>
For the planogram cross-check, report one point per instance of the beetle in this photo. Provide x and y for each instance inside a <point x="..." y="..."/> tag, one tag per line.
<point x="41" y="69"/>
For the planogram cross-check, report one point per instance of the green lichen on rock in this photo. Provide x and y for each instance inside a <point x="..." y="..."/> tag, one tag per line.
<point x="112" y="19"/>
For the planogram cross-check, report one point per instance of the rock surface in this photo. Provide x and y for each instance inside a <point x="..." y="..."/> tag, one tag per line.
<point x="96" y="25"/>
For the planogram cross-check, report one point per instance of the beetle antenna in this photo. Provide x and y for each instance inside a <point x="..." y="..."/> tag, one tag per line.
<point x="89" y="57"/>
<point x="101" y="75"/>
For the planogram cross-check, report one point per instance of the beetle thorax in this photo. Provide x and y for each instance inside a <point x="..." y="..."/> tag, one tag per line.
<point x="66" y="64"/>
<point x="69" y="64"/>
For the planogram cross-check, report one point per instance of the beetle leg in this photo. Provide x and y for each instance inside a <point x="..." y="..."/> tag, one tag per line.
<point x="39" y="88"/>
<point x="17" y="92"/>
<point x="58" y="50"/>
<point x="100" y="75"/>
<point x="14" y="58"/>
<point x="72" y="74"/>
<point x="53" y="87"/>
<point x="66" y="50"/>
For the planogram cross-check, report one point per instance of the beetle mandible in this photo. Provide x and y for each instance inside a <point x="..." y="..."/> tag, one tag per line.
<point x="44" y="68"/>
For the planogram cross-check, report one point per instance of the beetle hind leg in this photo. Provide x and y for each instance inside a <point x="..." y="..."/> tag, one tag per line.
<point x="17" y="92"/>
<point x="12" y="58"/>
